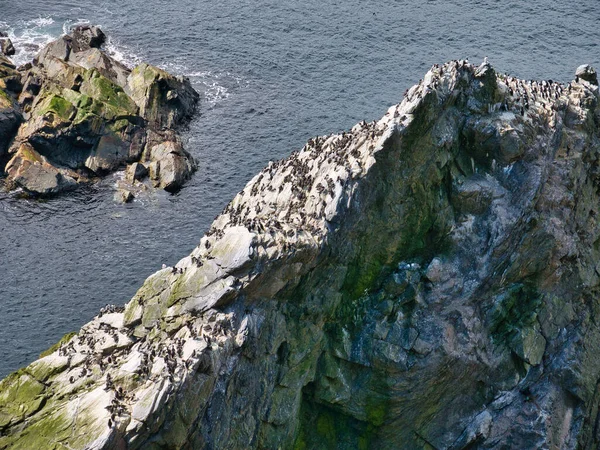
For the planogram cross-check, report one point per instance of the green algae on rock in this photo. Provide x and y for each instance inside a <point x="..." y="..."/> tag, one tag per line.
<point x="78" y="114"/>
<point x="429" y="280"/>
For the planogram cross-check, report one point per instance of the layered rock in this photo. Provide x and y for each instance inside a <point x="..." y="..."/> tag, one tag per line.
<point x="6" y="46"/>
<point x="88" y="115"/>
<point x="10" y="115"/>
<point x="429" y="280"/>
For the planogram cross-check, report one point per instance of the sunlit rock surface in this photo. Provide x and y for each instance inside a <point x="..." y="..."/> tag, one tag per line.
<point x="82" y="115"/>
<point x="429" y="280"/>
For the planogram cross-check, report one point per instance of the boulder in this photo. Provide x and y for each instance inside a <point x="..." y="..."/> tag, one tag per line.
<point x="164" y="100"/>
<point x="81" y="39"/>
<point x="32" y="172"/>
<point x="124" y="196"/>
<point x="60" y="48"/>
<point x="9" y="75"/>
<point x="6" y="47"/>
<point x="85" y="37"/>
<point x="94" y="58"/>
<point x="136" y="172"/>
<point x="94" y="127"/>
<point x="171" y="165"/>
<point x="587" y="73"/>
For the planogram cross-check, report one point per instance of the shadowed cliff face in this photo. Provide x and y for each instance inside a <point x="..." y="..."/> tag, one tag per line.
<point x="425" y="281"/>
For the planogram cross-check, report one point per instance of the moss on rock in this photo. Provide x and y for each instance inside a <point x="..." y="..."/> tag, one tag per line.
<point x="66" y="338"/>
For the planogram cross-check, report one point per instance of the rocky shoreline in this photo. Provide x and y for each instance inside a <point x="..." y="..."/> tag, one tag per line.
<point x="429" y="280"/>
<point x="76" y="114"/>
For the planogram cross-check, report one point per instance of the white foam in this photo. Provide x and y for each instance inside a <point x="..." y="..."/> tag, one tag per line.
<point x="122" y="53"/>
<point x="30" y="36"/>
<point x="40" y="21"/>
<point x="216" y="86"/>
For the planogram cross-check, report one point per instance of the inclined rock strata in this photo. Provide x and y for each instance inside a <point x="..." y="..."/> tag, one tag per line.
<point x="75" y="114"/>
<point x="429" y="280"/>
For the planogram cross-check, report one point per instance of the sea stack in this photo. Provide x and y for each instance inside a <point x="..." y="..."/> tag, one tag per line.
<point x="427" y="280"/>
<point x="76" y="114"/>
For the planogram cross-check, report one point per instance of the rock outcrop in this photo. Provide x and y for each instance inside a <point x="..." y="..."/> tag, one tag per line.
<point x="429" y="280"/>
<point x="84" y="114"/>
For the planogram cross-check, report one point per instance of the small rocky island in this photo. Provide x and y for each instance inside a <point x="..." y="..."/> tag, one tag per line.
<point x="75" y="114"/>
<point x="430" y="280"/>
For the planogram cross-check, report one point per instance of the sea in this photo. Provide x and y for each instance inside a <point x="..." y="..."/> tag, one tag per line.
<point x="272" y="74"/>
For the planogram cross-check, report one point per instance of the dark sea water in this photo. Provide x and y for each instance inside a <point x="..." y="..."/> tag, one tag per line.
<point x="272" y="74"/>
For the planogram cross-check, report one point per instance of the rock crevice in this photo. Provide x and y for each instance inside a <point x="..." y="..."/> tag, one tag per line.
<point x="428" y="280"/>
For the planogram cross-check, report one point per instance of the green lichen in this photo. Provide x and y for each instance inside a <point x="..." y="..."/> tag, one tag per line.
<point x="132" y="315"/>
<point x="103" y="90"/>
<point x="66" y="338"/>
<point x="57" y="105"/>
<point x="21" y="395"/>
<point x="180" y="289"/>
<point x="325" y="428"/>
<point x="5" y="99"/>
<point x="514" y="309"/>
<point x="50" y="432"/>
<point x="27" y="152"/>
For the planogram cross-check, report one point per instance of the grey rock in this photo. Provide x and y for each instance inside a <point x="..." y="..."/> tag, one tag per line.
<point x="124" y="196"/>
<point x="354" y="295"/>
<point x="173" y="164"/>
<point x="31" y="171"/>
<point x="473" y="196"/>
<point x="7" y="47"/>
<point x="136" y="172"/>
<point x="587" y="73"/>
<point x="60" y="48"/>
<point x="78" y="117"/>
<point x="164" y="100"/>
<point x="85" y="37"/>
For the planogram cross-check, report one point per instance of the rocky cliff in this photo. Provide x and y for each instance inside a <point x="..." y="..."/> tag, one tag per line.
<point x="428" y="281"/>
<point x="76" y="114"/>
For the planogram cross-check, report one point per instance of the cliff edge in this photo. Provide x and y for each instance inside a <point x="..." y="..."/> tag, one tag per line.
<point x="429" y="280"/>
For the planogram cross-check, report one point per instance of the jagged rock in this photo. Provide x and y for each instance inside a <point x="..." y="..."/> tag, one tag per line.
<point x="587" y="73"/>
<point x="172" y="164"/>
<point x="31" y="171"/>
<point x="136" y="172"/>
<point x="10" y="114"/>
<point x="6" y="47"/>
<point x="60" y="49"/>
<point x="474" y="195"/>
<point x="11" y="79"/>
<point x="124" y="196"/>
<point x="78" y="116"/>
<point x="164" y="100"/>
<point x="355" y="295"/>
<point x="85" y="37"/>
<point x="94" y="58"/>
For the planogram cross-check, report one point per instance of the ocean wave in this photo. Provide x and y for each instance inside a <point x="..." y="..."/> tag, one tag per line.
<point x="30" y="36"/>
<point x="216" y="86"/>
<point x="122" y="53"/>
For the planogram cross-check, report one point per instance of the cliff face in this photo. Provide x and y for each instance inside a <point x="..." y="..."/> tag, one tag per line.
<point x="426" y="281"/>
